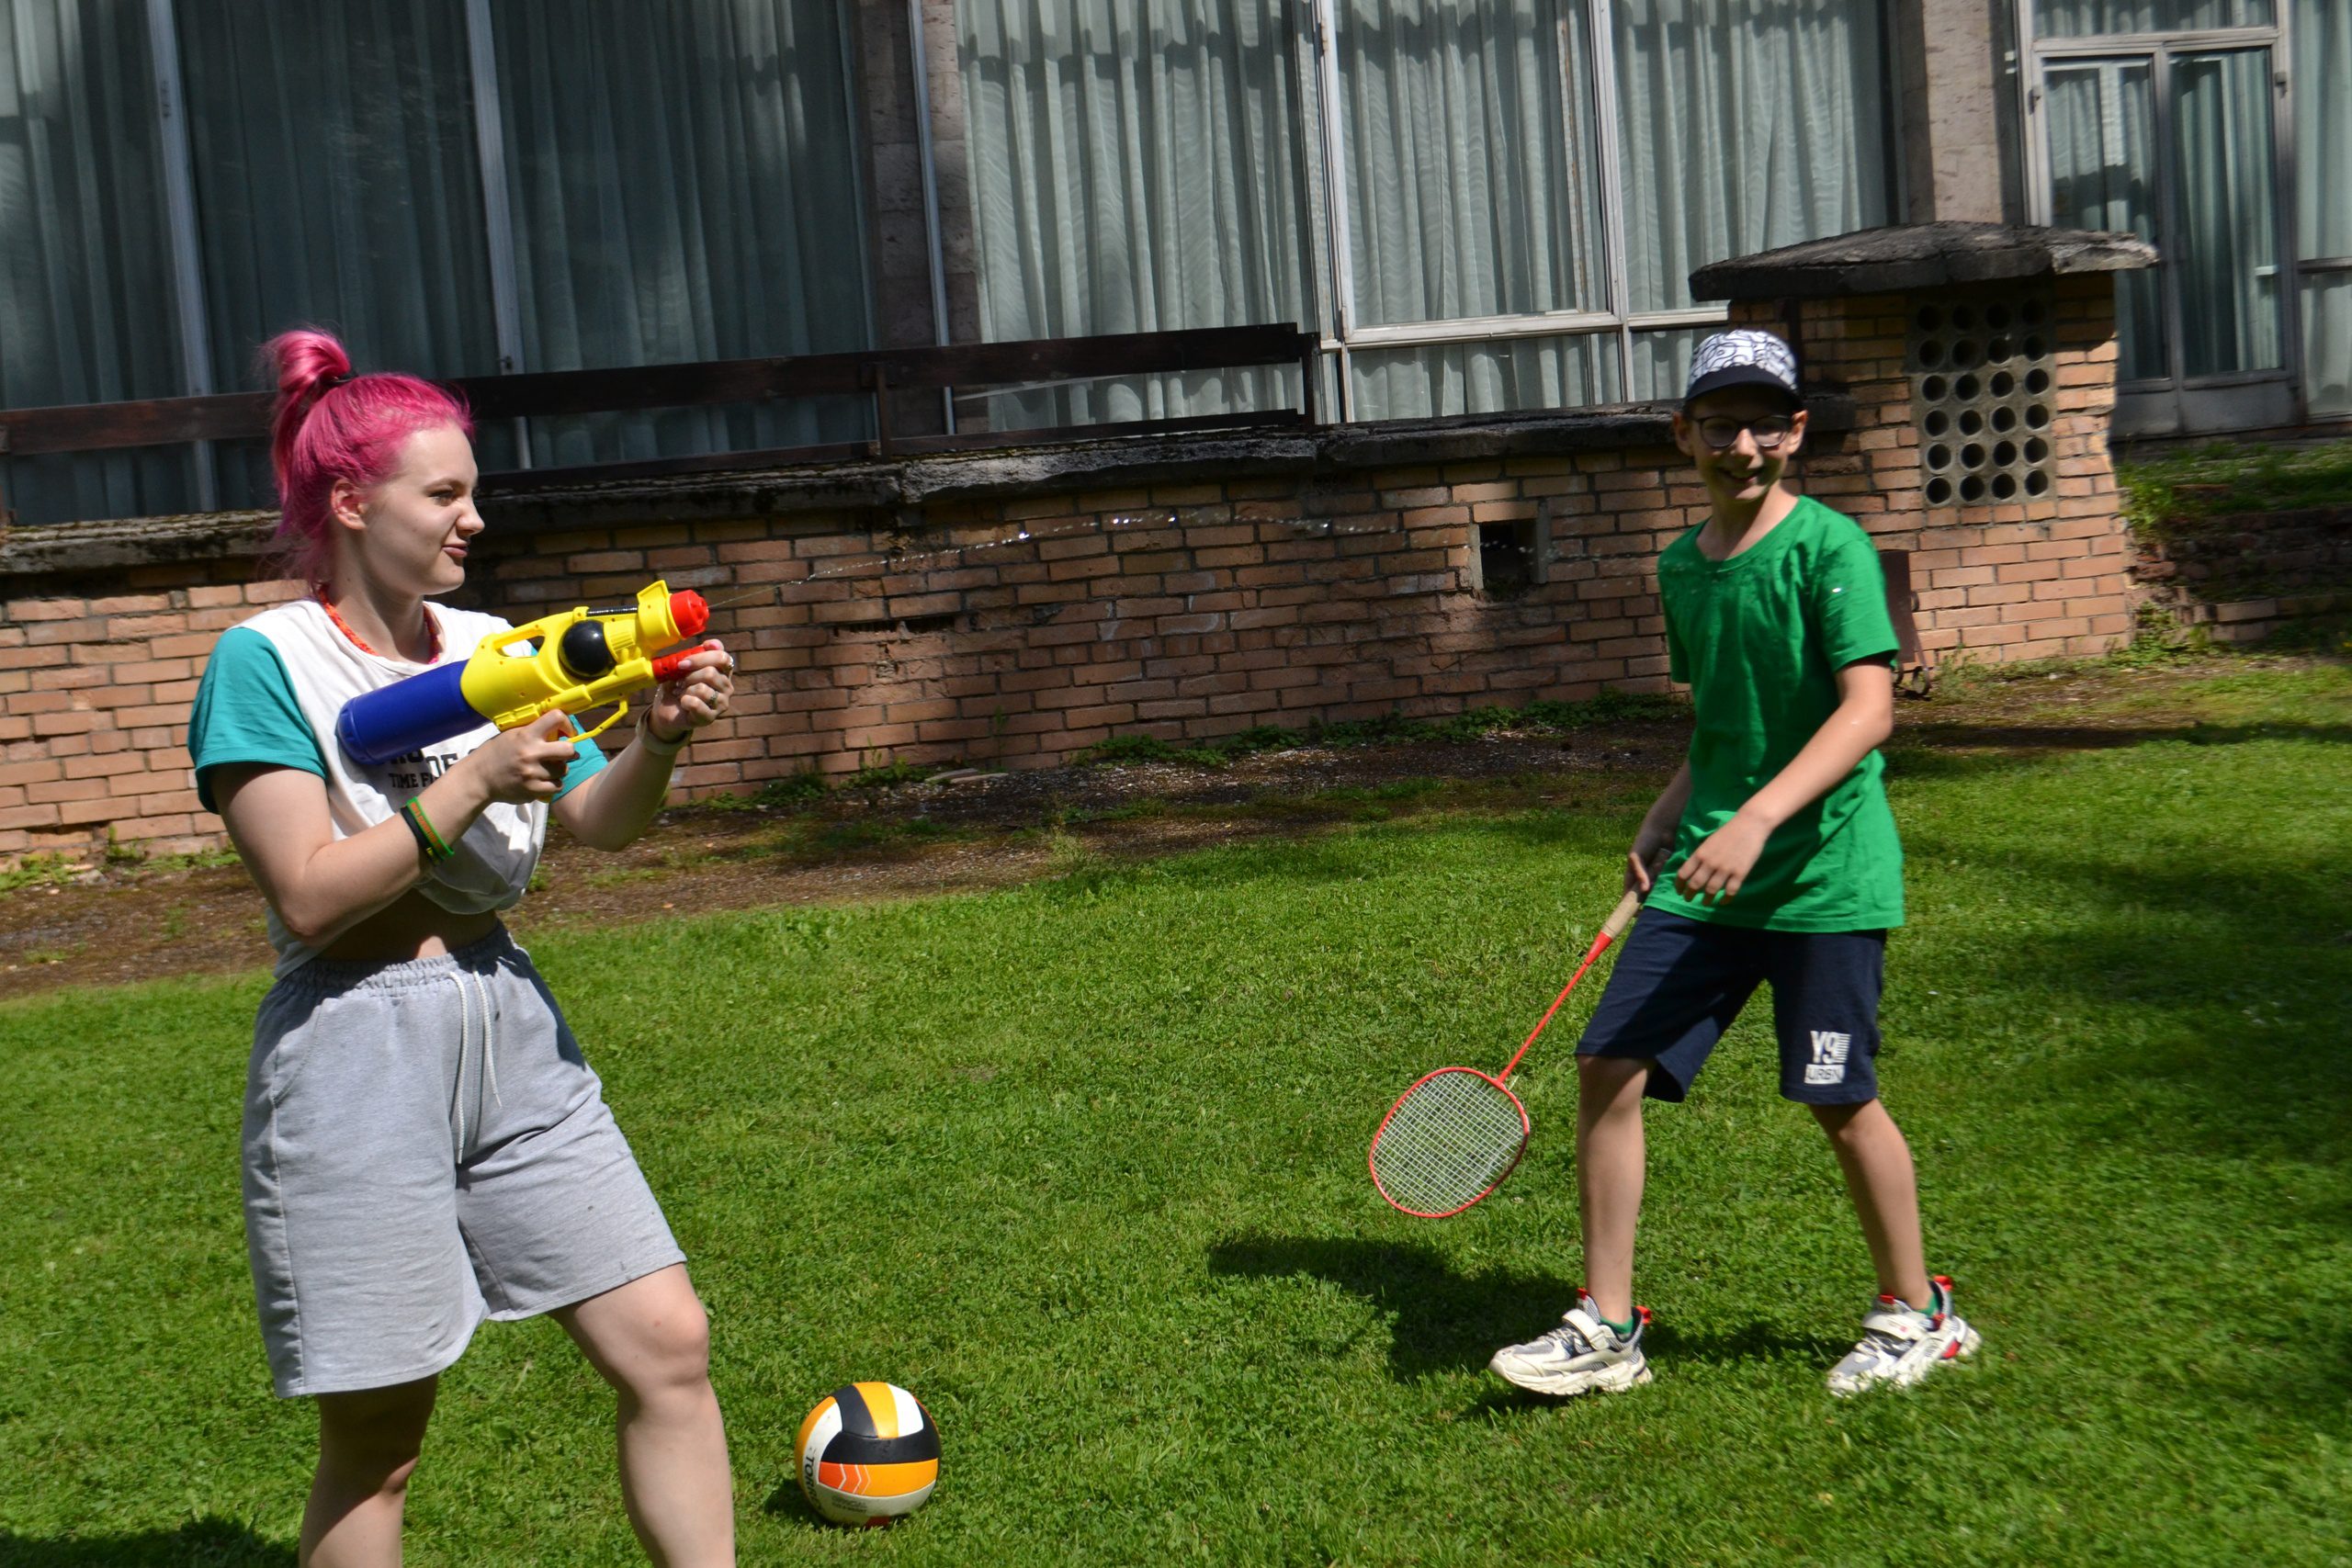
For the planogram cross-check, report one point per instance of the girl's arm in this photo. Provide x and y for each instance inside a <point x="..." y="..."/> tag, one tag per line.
<point x="321" y="884"/>
<point x="1861" y="723"/>
<point x="610" y="810"/>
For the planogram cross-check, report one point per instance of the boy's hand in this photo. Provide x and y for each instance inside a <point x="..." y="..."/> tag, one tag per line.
<point x="1642" y="860"/>
<point x="1722" y="860"/>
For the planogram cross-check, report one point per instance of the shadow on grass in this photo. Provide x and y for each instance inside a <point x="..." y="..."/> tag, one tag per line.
<point x="1448" y="1322"/>
<point x="199" y="1543"/>
<point x="1969" y="751"/>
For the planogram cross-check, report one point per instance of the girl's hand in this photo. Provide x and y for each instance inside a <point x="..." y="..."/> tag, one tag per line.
<point x="698" y="695"/>
<point x="526" y="763"/>
<point x="1722" y="860"/>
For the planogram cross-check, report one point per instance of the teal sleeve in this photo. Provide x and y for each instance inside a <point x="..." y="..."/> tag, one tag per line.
<point x="589" y="763"/>
<point x="1848" y="598"/>
<point x="245" y="711"/>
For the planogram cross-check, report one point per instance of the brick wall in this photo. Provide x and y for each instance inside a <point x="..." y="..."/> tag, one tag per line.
<point x="1021" y="621"/>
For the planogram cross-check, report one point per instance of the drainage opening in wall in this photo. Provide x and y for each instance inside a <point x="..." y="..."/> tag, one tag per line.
<point x="1506" y="560"/>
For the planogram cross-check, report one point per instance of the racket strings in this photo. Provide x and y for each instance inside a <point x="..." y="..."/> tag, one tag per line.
<point x="1447" y="1142"/>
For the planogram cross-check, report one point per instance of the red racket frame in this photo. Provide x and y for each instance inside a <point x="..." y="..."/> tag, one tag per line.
<point x="1611" y="929"/>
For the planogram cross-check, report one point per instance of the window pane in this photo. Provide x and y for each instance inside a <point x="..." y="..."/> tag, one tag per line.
<point x="1135" y="167"/>
<point x="336" y="185"/>
<point x="1492" y="376"/>
<point x="683" y="181"/>
<point x="1740" y="136"/>
<point x="1469" y="158"/>
<point x="2228" y="249"/>
<point x="86" y="283"/>
<point x="1662" y="362"/>
<point x="2082" y="18"/>
<point x="2322" y="175"/>
<point x="2103" y="177"/>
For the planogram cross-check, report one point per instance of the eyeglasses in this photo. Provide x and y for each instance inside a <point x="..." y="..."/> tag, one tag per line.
<point x="1771" y="430"/>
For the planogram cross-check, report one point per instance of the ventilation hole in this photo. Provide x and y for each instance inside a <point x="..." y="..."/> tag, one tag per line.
<point x="2037" y="381"/>
<point x="2036" y="450"/>
<point x="2005" y="419"/>
<point x="2036" y="415"/>
<point x="2003" y="486"/>
<point x="1933" y="388"/>
<point x="1927" y="318"/>
<point x="1937" y="422"/>
<point x="1996" y="316"/>
<point x="1939" y="457"/>
<point x="1972" y="456"/>
<point x="1938" y="491"/>
<point x="2036" y="482"/>
<point x="1962" y="319"/>
<point x="1971" y="422"/>
<point x="1998" y="351"/>
<point x="2004" y="454"/>
<point x="1965" y="388"/>
<point x="1931" y="353"/>
<point x="2030" y="312"/>
<point x="2033" y="349"/>
<point x="1972" y="489"/>
<point x="2002" y="384"/>
<point x="1963" y="353"/>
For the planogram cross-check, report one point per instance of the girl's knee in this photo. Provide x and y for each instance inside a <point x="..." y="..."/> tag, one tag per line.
<point x="376" y="1435"/>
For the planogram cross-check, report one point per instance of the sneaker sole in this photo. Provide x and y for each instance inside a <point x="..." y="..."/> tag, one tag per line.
<point x="1568" y="1385"/>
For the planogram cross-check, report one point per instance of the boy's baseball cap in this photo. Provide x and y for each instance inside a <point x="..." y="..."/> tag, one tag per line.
<point x="1744" y="357"/>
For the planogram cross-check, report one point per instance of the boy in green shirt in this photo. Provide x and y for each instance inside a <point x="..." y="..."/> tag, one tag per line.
<point x="1771" y="856"/>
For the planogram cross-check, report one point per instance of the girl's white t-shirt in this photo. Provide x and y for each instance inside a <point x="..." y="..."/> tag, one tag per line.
<point x="271" y="694"/>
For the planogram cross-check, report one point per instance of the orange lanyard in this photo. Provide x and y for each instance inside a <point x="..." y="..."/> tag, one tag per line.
<point x="432" y="628"/>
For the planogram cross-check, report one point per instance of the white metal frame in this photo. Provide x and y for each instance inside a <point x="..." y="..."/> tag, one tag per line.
<point x="2176" y="400"/>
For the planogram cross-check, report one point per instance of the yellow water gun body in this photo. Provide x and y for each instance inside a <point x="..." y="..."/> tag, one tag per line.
<point x="573" y="661"/>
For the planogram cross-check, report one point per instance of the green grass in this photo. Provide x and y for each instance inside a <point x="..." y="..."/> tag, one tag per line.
<point x="1082" y="1163"/>
<point x="2226" y="478"/>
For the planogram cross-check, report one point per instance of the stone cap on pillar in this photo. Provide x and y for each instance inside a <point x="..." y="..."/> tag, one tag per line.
<point x="1905" y="256"/>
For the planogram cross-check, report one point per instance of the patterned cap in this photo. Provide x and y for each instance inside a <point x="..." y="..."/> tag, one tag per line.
<point x="1745" y="356"/>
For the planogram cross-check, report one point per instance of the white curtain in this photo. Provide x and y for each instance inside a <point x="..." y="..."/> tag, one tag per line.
<point x="2103" y="175"/>
<point x="2083" y="18"/>
<point x="1748" y="124"/>
<point x="684" y="183"/>
<point x="337" y="186"/>
<point x="1135" y="167"/>
<point x="86" y="282"/>
<point x="2323" y="41"/>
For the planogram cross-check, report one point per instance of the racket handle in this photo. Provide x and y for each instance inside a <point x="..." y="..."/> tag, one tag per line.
<point x="1620" y="917"/>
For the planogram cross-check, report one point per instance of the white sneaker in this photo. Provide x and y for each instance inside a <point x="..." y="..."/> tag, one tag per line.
<point x="1584" y="1354"/>
<point x="1899" y="1345"/>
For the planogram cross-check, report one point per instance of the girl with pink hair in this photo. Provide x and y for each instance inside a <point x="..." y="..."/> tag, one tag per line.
<point x="424" y="1144"/>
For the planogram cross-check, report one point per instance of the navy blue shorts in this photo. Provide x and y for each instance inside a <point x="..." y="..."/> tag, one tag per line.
<point x="1679" y="982"/>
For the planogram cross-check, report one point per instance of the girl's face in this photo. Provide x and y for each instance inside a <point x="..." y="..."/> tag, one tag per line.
<point x="409" y="534"/>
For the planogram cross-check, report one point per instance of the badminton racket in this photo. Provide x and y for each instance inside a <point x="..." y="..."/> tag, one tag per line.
<point x="1457" y="1133"/>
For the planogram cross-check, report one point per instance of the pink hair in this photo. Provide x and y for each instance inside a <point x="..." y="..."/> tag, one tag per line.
<point x="331" y="425"/>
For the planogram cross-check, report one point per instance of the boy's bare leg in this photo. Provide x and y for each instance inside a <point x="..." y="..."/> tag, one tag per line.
<point x="1610" y="1160"/>
<point x="369" y="1441"/>
<point x="651" y="1340"/>
<point x="1879" y="1179"/>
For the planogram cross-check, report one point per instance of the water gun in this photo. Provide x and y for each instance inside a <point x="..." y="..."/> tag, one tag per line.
<point x="577" y="660"/>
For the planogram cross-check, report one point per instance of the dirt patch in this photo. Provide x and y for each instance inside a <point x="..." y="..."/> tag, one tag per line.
<point x="111" y="926"/>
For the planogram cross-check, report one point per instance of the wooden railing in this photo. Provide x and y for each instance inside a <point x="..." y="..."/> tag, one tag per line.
<point x="877" y="373"/>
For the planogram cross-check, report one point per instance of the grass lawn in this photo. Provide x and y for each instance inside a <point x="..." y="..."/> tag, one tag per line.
<point x="1082" y="1163"/>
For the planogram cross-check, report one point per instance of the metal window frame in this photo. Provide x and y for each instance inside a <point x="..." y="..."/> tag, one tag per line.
<point x="179" y="213"/>
<point x="2038" y="52"/>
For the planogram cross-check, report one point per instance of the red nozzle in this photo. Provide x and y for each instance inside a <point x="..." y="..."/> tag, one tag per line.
<point x="691" y="612"/>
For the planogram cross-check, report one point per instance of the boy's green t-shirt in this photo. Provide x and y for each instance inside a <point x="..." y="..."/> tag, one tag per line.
<point x="1760" y="639"/>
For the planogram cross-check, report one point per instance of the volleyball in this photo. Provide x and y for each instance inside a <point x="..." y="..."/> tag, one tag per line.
<point x="867" y="1454"/>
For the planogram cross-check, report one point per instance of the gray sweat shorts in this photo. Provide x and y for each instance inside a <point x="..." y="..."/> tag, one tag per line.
<point x="426" y="1146"/>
